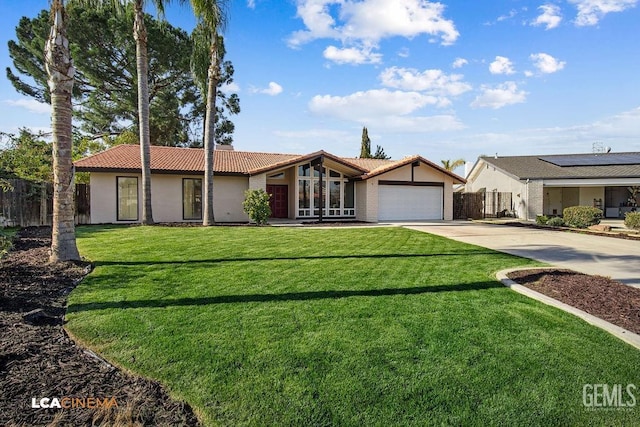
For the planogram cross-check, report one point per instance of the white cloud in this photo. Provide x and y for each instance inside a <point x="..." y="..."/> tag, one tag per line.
<point x="351" y="55"/>
<point x="501" y="65"/>
<point x="29" y="104"/>
<point x="459" y="63"/>
<point x="512" y="13"/>
<point x="550" y="17"/>
<point x="619" y="132"/>
<point x="434" y="82"/>
<point x="364" y="23"/>
<point x="404" y="52"/>
<point x="230" y="88"/>
<point x="273" y="89"/>
<point x="389" y="110"/>
<point x="368" y="105"/>
<point x="591" y="11"/>
<point x="251" y="4"/>
<point x="546" y="63"/>
<point x="499" y="96"/>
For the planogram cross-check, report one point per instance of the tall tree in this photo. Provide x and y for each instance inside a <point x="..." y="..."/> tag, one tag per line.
<point x="450" y="165"/>
<point x="365" y="145"/>
<point x="211" y="15"/>
<point x="365" y="148"/>
<point x="60" y="71"/>
<point x="142" y="67"/>
<point x="105" y="93"/>
<point x="380" y="154"/>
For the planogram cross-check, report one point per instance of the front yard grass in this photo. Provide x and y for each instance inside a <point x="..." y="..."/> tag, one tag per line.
<point x="355" y="326"/>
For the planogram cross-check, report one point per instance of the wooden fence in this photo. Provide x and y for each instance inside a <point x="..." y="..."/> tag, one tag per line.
<point x="27" y="203"/>
<point x="482" y="205"/>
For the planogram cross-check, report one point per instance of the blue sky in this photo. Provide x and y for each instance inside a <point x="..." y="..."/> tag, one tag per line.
<point x="447" y="80"/>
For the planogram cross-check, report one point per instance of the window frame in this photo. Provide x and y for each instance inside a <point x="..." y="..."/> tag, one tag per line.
<point x="184" y="216"/>
<point x="118" y="218"/>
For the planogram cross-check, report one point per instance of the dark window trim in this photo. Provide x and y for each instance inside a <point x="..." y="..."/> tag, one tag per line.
<point x="413" y="183"/>
<point x="118" y="199"/>
<point x="184" y="217"/>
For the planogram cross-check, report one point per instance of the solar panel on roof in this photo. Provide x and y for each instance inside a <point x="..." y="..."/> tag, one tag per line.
<point x="594" y="159"/>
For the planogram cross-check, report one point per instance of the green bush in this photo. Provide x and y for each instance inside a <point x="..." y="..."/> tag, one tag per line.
<point x="556" y="221"/>
<point x="256" y="205"/>
<point x="581" y="216"/>
<point x="541" y="219"/>
<point x="632" y="220"/>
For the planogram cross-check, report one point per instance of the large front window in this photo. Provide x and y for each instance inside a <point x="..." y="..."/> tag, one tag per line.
<point x="338" y="193"/>
<point x="127" y="198"/>
<point x="192" y="198"/>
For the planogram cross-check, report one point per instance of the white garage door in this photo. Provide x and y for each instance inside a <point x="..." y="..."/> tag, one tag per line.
<point x="408" y="203"/>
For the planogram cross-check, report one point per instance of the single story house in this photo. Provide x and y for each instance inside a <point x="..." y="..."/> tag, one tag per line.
<point x="369" y="190"/>
<point x="549" y="183"/>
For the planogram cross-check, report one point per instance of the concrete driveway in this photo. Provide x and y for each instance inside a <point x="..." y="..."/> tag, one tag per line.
<point x="606" y="256"/>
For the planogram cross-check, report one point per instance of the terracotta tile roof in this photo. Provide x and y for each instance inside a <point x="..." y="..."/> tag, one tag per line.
<point x="369" y="164"/>
<point x="173" y="159"/>
<point x="191" y="160"/>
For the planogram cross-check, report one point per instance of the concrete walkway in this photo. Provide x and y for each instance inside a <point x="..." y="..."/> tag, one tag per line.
<point x="605" y="256"/>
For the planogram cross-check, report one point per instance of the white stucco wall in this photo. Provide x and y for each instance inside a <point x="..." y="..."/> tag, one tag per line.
<point x="487" y="177"/>
<point x="166" y="197"/>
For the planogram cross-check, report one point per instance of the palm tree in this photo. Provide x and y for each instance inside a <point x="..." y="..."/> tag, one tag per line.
<point x="142" y="65"/>
<point x="451" y="165"/>
<point x="211" y="15"/>
<point x="60" y="73"/>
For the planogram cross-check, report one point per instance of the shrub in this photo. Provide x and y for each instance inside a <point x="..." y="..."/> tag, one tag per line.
<point x="632" y="220"/>
<point x="541" y="219"/>
<point x="256" y="205"/>
<point x="556" y="221"/>
<point x="581" y="216"/>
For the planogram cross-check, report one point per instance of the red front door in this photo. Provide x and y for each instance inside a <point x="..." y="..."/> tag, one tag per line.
<point x="279" y="201"/>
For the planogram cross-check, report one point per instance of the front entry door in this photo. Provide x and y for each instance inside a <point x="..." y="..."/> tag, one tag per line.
<point x="279" y="201"/>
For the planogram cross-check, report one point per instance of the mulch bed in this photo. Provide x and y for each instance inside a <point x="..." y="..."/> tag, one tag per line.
<point x="38" y="359"/>
<point x="597" y="295"/>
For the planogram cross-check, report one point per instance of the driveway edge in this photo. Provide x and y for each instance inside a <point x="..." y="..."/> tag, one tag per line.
<point x="620" y="333"/>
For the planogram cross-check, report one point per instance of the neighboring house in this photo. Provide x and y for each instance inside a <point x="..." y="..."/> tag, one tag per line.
<point x="548" y="184"/>
<point x="369" y="190"/>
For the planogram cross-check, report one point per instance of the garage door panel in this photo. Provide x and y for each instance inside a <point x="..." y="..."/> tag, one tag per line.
<point x="408" y="202"/>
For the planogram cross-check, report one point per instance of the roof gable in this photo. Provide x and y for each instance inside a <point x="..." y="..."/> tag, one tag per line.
<point x="409" y="160"/>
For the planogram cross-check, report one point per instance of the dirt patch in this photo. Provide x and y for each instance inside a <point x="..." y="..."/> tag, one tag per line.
<point x="39" y="360"/>
<point x="597" y="295"/>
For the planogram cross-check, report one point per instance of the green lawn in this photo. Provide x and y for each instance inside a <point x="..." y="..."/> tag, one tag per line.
<point x="358" y="327"/>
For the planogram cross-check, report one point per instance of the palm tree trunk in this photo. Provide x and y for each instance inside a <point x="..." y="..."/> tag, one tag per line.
<point x="60" y="71"/>
<point x="209" y="134"/>
<point x="140" y="35"/>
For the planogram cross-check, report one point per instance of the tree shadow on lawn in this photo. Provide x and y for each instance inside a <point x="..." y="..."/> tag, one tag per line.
<point x="295" y="258"/>
<point x="290" y="296"/>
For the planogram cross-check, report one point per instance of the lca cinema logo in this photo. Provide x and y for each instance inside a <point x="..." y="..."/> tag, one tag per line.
<point x="609" y="396"/>
<point x="74" y="402"/>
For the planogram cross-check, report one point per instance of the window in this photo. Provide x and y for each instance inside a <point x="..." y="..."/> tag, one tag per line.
<point x="127" y="195"/>
<point x="338" y="194"/>
<point x="191" y="198"/>
<point x="279" y="175"/>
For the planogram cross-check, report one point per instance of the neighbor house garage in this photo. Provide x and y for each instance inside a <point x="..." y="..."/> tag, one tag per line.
<point x="302" y="186"/>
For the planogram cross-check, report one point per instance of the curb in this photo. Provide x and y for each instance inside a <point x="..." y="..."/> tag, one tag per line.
<point x="620" y="333"/>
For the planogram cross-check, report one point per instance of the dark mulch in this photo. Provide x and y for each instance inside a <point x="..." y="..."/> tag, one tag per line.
<point x="597" y="295"/>
<point x="38" y="359"/>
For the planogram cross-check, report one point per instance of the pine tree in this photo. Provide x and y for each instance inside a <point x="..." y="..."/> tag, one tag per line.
<point x="365" y="147"/>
